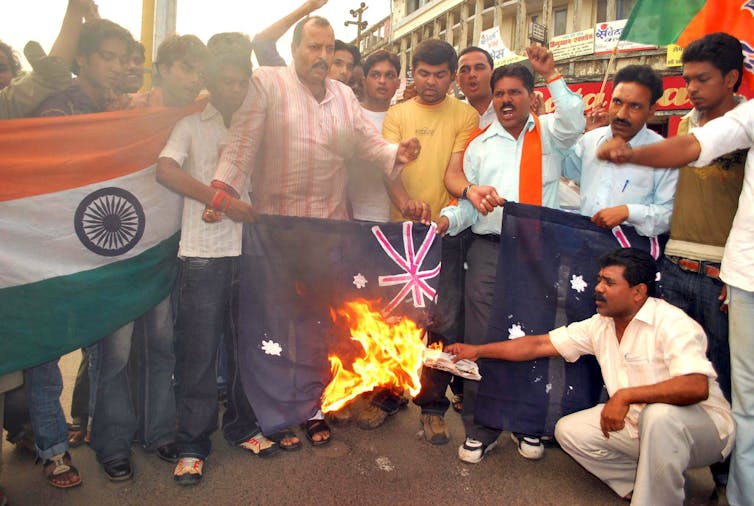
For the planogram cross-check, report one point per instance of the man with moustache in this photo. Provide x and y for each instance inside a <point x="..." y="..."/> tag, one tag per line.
<point x="515" y="158"/>
<point x="665" y="413"/>
<point x="304" y="126"/>
<point x="637" y="195"/>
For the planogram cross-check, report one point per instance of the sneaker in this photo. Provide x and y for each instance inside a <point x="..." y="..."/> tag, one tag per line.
<point x="370" y="417"/>
<point x="435" y="430"/>
<point x="473" y="451"/>
<point x="260" y="446"/>
<point x="188" y="471"/>
<point x="529" y="447"/>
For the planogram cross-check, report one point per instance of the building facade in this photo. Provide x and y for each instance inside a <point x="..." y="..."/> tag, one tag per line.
<point x="570" y="27"/>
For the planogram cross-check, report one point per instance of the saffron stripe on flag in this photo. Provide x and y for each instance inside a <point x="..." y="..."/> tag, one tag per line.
<point x="45" y="155"/>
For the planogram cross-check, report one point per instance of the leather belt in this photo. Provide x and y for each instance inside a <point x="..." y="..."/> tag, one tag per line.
<point x="709" y="269"/>
<point x="489" y="237"/>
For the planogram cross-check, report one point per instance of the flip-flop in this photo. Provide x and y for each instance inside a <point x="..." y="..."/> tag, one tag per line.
<point x="286" y="434"/>
<point x="313" y="427"/>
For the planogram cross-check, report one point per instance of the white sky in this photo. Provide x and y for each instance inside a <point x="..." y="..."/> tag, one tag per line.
<point x="39" y="20"/>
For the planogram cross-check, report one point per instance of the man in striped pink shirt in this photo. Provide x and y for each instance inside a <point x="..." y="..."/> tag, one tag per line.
<point x="295" y="130"/>
<point x="291" y="138"/>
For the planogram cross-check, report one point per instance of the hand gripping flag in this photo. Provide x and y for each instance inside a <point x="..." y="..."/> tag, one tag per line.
<point x="547" y="268"/>
<point x="294" y="273"/>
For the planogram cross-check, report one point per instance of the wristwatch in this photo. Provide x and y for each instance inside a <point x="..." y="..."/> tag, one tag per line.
<point x="465" y="191"/>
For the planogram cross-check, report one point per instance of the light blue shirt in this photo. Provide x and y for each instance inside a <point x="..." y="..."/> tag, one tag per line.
<point x="648" y="193"/>
<point x="493" y="159"/>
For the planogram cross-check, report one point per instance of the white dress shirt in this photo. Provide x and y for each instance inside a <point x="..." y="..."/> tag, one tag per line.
<point x="648" y="192"/>
<point x="660" y="343"/>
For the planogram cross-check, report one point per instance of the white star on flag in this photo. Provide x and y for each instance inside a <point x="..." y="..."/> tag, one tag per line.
<point x="271" y="348"/>
<point x="515" y="331"/>
<point x="578" y="283"/>
<point x="359" y="281"/>
<point x="413" y="279"/>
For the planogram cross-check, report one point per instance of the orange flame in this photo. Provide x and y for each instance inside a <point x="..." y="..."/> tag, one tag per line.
<point x="392" y="356"/>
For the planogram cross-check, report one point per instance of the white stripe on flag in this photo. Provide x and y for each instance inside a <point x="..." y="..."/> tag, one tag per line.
<point x="40" y="240"/>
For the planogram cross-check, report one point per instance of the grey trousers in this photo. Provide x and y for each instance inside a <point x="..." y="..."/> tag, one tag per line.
<point x="671" y="440"/>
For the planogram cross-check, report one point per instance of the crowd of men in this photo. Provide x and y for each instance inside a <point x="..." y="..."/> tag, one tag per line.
<point x="326" y="137"/>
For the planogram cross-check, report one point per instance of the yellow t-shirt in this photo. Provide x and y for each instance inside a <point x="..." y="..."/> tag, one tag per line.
<point x="442" y="130"/>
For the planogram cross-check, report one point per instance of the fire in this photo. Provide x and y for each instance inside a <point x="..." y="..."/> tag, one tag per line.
<point x="392" y="355"/>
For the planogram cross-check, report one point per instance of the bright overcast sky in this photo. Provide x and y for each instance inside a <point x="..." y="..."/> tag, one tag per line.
<point x="40" y="19"/>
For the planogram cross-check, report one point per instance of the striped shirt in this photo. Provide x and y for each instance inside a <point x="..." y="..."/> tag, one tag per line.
<point x="295" y="147"/>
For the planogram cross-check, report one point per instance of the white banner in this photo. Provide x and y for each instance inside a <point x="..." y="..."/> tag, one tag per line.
<point x="608" y="33"/>
<point x="572" y="44"/>
<point x="491" y="41"/>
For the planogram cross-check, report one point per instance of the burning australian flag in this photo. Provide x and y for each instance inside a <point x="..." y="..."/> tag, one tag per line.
<point x="295" y="273"/>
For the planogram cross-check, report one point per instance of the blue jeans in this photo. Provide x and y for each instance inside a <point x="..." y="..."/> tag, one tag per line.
<point x="741" y="310"/>
<point x="45" y="384"/>
<point x="206" y="310"/>
<point x="115" y="422"/>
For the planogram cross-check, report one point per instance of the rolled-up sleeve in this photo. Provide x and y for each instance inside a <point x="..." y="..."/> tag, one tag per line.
<point x="569" y="122"/>
<point x="575" y="339"/>
<point x="733" y="131"/>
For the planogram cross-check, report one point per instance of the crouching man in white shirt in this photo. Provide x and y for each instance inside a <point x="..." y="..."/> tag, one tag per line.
<point x="666" y="412"/>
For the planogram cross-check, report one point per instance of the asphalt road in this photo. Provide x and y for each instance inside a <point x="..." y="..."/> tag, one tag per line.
<point x="391" y="465"/>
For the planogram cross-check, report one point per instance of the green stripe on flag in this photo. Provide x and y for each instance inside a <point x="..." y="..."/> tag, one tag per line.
<point x="44" y="320"/>
<point x="659" y="23"/>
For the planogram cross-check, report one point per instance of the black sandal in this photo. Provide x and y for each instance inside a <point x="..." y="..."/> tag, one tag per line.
<point x="314" y="427"/>
<point x="286" y="434"/>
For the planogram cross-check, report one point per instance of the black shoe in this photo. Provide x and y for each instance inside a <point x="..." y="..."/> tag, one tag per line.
<point x="168" y="453"/>
<point x="118" y="470"/>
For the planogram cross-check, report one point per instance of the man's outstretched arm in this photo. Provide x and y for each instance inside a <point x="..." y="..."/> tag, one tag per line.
<point x="514" y="350"/>
<point x="673" y="152"/>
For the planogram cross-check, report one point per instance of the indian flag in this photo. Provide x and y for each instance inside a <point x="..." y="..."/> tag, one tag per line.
<point x="88" y="238"/>
<point x="683" y="21"/>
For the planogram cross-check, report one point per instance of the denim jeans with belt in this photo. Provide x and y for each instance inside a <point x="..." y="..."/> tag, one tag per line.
<point x="207" y="309"/>
<point x="115" y="422"/>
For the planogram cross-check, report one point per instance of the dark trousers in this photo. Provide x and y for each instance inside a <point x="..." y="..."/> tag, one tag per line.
<point x="446" y="321"/>
<point x="478" y="293"/>
<point x="207" y="309"/>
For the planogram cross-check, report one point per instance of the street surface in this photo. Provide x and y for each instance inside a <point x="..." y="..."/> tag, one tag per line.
<point x="391" y="465"/>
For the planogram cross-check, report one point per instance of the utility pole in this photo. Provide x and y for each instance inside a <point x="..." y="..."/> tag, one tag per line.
<point x="360" y="25"/>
